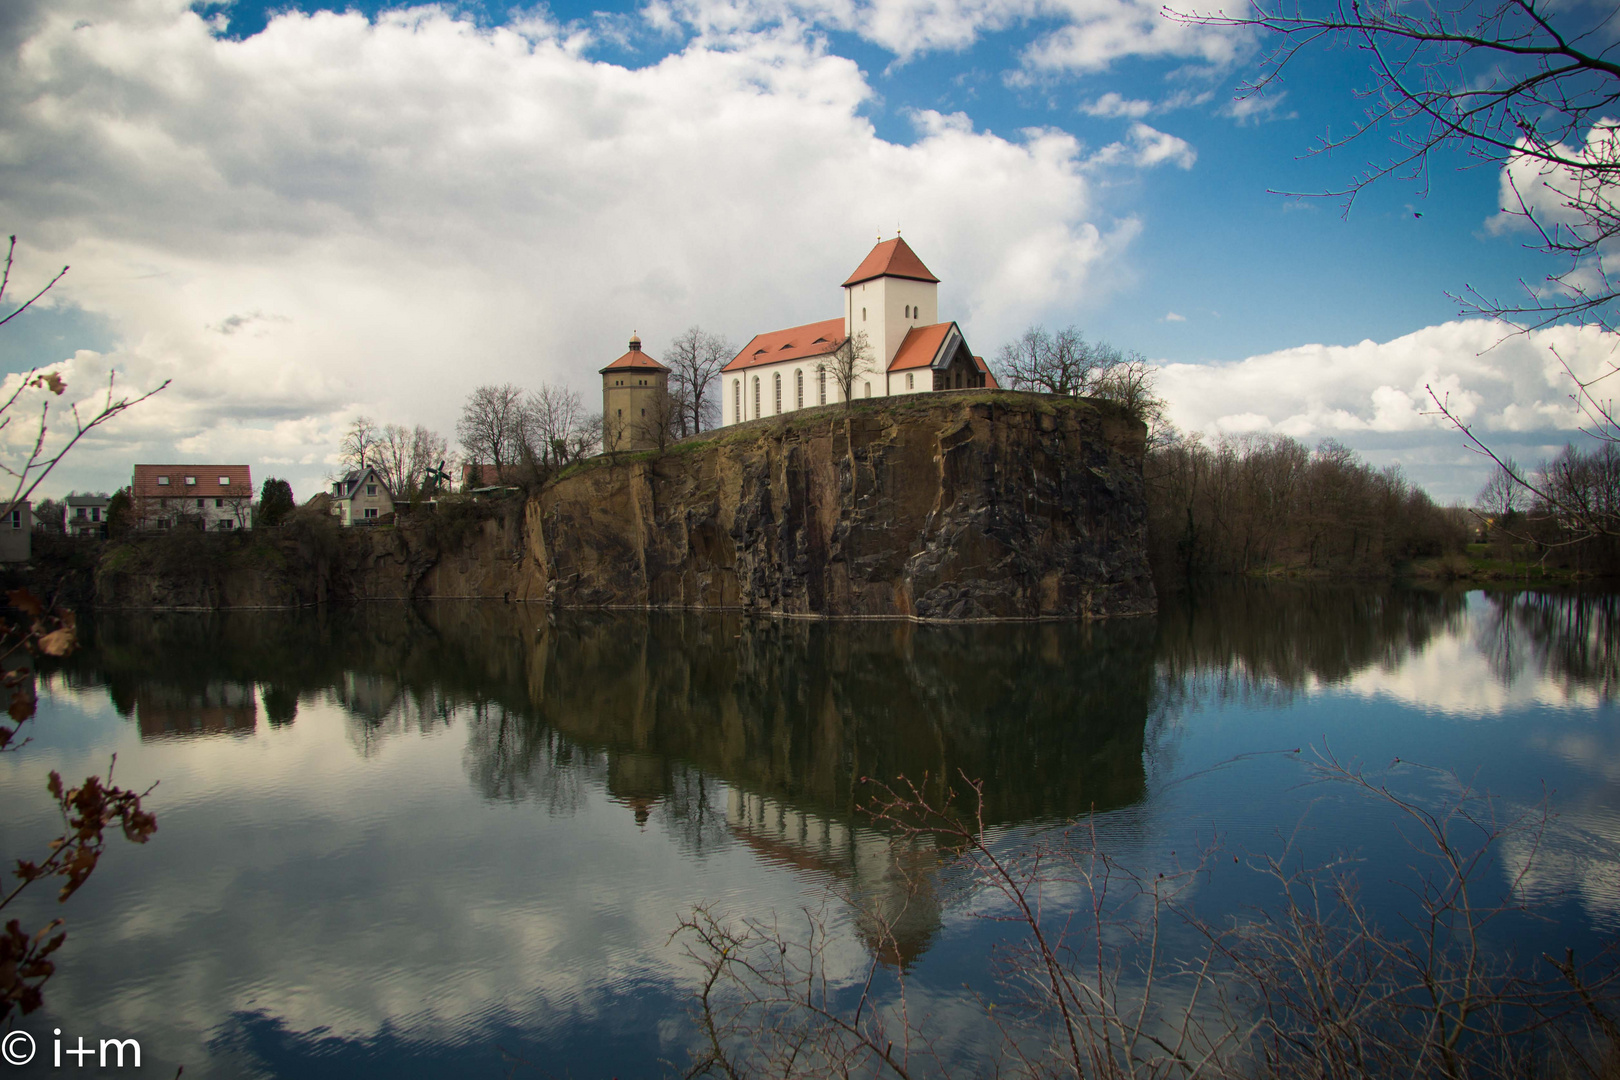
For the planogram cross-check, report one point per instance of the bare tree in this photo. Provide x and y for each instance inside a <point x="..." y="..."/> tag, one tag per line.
<point x="694" y="360"/>
<point x="1130" y="382"/>
<point x="553" y="414"/>
<point x="847" y="363"/>
<point x="1526" y="85"/>
<point x="1061" y="363"/>
<point x="428" y="451"/>
<point x="356" y="450"/>
<point x="660" y="421"/>
<point x="491" y="426"/>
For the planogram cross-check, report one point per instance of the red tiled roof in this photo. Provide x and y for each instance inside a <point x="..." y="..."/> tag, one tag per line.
<point x="634" y="360"/>
<point x="146" y="482"/>
<point x="891" y="258"/>
<point x="794" y="343"/>
<point x="920" y="346"/>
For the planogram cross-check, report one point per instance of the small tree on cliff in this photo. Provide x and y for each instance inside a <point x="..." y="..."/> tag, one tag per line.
<point x="847" y="364"/>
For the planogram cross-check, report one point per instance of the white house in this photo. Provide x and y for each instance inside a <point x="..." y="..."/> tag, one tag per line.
<point x="891" y="298"/>
<point x="86" y="515"/>
<point x="216" y="497"/>
<point x="360" y="497"/>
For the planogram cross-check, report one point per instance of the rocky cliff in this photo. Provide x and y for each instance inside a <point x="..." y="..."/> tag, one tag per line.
<point x="971" y="505"/>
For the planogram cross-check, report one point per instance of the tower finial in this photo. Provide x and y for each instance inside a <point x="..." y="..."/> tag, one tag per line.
<point x="635" y="341"/>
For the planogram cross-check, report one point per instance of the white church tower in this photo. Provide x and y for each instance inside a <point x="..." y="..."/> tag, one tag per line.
<point x="888" y="294"/>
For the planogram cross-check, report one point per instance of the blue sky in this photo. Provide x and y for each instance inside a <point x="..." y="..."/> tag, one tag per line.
<point x="302" y="214"/>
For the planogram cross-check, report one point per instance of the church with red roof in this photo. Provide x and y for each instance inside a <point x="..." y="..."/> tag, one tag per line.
<point x="891" y="319"/>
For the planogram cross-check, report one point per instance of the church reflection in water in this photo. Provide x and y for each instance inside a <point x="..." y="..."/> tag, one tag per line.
<point x="725" y="729"/>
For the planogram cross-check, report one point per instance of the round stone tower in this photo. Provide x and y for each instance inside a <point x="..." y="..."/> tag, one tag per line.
<point x="635" y="401"/>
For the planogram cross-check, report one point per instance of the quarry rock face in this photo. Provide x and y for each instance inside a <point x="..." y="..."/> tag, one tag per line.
<point x="946" y="506"/>
<point x="972" y="505"/>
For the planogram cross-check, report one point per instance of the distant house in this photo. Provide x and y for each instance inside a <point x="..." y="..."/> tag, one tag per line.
<point x="16" y="529"/>
<point x="361" y="498"/>
<point x="477" y="477"/>
<point x="87" y="515"/>
<point x="218" y="498"/>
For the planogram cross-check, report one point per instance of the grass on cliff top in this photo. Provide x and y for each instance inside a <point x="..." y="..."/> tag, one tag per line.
<point x="816" y="415"/>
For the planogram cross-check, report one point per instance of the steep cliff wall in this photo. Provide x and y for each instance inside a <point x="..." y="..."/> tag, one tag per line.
<point x="969" y="505"/>
<point x="954" y="506"/>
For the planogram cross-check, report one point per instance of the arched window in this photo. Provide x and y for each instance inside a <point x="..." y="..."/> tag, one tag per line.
<point x="868" y="389"/>
<point x="756" y="397"/>
<point x="863" y="314"/>
<point x="908" y="311"/>
<point x="909" y="383"/>
<point x="798" y="394"/>
<point x="823" y="378"/>
<point x="777" y="385"/>
<point x="736" y="401"/>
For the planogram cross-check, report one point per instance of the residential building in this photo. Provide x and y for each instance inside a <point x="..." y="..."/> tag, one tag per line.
<point x="218" y="498"/>
<point x="360" y="497"/>
<point x="890" y="303"/>
<point x="86" y="515"/>
<point x="16" y="532"/>
<point x="635" y="400"/>
<point x="476" y="477"/>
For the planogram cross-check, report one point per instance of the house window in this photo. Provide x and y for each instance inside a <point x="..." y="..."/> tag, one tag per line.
<point x="371" y="489"/>
<point x="163" y="481"/>
<point x="199" y="504"/>
<point x="224" y="481"/>
<point x="191" y="481"/>
<point x="80" y="514"/>
<point x="822" y="378"/>
<point x="736" y="401"/>
<point x="371" y="511"/>
<point x="756" y="397"/>
<point x="798" y="393"/>
<point x="16" y="519"/>
<point x="219" y="504"/>
<point x="95" y="513"/>
<point x="777" y="382"/>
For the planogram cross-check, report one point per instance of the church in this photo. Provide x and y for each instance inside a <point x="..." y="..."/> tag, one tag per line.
<point x="891" y="299"/>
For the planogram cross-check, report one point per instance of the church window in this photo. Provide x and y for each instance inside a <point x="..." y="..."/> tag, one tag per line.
<point x="798" y="398"/>
<point x="909" y="380"/>
<point x="777" y="381"/>
<point x="908" y="311"/>
<point x="823" y="377"/>
<point x="863" y="314"/>
<point x="736" y="401"/>
<point x="756" y="397"/>
<point x="868" y="389"/>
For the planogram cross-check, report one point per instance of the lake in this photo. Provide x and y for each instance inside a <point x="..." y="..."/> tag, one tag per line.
<point x="455" y="839"/>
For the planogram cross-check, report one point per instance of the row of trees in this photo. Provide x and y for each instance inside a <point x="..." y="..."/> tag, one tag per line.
<point x="1565" y="513"/>
<point x="1254" y="503"/>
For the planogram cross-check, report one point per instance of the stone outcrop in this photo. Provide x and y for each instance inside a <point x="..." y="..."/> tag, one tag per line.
<point x="970" y="505"/>
<point x="949" y="506"/>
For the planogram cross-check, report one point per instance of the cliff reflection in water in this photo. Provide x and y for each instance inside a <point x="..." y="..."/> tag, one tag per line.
<point x="722" y="729"/>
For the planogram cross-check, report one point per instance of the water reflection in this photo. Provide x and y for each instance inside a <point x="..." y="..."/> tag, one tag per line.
<point x="500" y="810"/>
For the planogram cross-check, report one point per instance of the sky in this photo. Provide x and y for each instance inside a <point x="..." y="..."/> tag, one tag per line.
<point x="303" y="214"/>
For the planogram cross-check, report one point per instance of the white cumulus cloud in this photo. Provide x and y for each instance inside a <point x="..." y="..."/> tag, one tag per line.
<point x="340" y="216"/>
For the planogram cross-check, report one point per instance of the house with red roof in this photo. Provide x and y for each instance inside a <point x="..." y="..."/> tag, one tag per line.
<point x="891" y="305"/>
<point x="215" y="497"/>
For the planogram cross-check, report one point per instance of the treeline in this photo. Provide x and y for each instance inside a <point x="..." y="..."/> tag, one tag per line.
<point x="1259" y="503"/>
<point x="1565" y="514"/>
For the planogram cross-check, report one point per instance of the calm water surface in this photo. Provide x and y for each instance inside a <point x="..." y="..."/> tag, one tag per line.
<point x="454" y="840"/>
